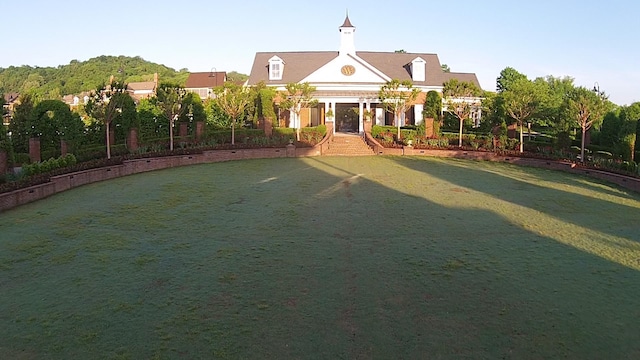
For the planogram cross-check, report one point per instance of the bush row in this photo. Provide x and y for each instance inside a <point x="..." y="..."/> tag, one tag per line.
<point x="49" y="165"/>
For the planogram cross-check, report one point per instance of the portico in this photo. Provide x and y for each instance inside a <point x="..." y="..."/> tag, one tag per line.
<point x="348" y="82"/>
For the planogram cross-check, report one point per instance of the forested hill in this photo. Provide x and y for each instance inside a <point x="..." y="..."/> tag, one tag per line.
<point x="78" y="76"/>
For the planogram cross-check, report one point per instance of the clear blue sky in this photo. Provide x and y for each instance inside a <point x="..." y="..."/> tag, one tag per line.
<point x="591" y="41"/>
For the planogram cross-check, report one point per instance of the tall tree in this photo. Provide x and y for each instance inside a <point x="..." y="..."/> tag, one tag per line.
<point x="104" y="105"/>
<point x="20" y="124"/>
<point x="169" y="98"/>
<point x="585" y="107"/>
<point x="237" y="77"/>
<point x="460" y="97"/>
<point x="629" y="119"/>
<point x="3" y="111"/>
<point x="521" y="101"/>
<point x="610" y="128"/>
<point x="445" y="68"/>
<point x="397" y="97"/>
<point x="508" y="76"/>
<point x="432" y="105"/>
<point x="298" y="96"/>
<point x="233" y="99"/>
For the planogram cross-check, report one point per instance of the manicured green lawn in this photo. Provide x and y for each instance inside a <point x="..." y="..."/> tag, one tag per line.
<point x="332" y="258"/>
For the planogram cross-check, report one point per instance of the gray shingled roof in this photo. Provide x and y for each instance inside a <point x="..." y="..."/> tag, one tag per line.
<point x="299" y="65"/>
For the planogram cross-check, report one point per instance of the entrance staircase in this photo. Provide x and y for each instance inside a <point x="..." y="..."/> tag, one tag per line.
<point x="348" y="145"/>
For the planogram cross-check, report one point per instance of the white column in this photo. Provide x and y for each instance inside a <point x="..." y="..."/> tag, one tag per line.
<point x="360" y="117"/>
<point x="417" y="113"/>
<point x="333" y="106"/>
<point x="379" y="116"/>
<point x="326" y="110"/>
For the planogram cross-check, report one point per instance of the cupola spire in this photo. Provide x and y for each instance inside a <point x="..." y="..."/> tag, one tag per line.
<point x="347" y="31"/>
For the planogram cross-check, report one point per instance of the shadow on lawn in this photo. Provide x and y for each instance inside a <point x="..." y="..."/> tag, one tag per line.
<point x="471" y="285"/>
<point x="298" y="258"/>
<point x="608" y="227"/>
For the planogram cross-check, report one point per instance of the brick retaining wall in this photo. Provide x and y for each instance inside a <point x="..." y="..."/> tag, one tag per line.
<point x="68" y="181"/>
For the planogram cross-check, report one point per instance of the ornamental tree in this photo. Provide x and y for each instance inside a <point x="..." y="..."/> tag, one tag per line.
<point x="521" y="101"/>
<point x="169" y="98"/>
<point x="585" y="107"/>
<point x="397" y="97"/>
<point x="460" y="99"/>
<point x="233" y="99"/>
<point x="105" y="104"/>
<point x="297" y="97"/>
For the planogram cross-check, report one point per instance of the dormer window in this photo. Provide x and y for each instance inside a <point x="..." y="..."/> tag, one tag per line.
<point x="276" y="68"/>
<point x="418" y="66"/>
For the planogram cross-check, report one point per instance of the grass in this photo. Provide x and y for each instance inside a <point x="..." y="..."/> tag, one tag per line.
<point x="375" y="257"/>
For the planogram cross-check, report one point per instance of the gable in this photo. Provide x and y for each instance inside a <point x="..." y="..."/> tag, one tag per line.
<point x="298" y="66"/>
<point x="346" y="69"/>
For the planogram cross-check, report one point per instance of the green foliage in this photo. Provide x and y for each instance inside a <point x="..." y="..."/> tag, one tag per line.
<point x="298" y="96"/>
<point x="76" y="77"/>
<point x="126" y="118"/>
<point x="152" y="122"/>
<point x="265" y="106"/>
<point x="20" y="124"/>
<point x="507" y="77"/>
<point x="216" y="117"/>
<point x="49" y="165"/>
<point x="169" y="98"/>
<point x="432" y="105"/>
<point x="107" y="104"/>
<point x="377" y="130"/>
<point x="312" y="135"/>
<point x="52" y="121"/>
<point x="6" y="146"/>
<point x="397" y="97"/>
<point x="628" y="136"/>
<point x="236" y="77"/>
<point x="609" y="132"/>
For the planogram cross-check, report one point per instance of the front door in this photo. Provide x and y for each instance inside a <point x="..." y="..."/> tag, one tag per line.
<point x="347" y="118"/>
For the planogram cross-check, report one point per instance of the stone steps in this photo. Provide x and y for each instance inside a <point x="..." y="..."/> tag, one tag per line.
<point x="348" y="145"/>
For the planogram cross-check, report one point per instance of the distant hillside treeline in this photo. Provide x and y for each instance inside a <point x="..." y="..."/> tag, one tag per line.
<point x="77" y="76"/>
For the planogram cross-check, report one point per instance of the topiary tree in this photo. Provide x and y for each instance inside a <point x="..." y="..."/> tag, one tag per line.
<point x="233" y="99"/>
<point x="585" y="107"/>
<point x="104" y="105"/>
<point x="397" y="97"/>
<point x="169" y="98"/>
<point x="297" y="97"/>
<point x="461" y="97"/>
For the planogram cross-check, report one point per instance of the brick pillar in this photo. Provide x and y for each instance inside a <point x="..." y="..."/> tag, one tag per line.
<point x="63" y="147"/>
<point x="267" y="126"/>
<point x="184" y="127"/>
<point x="199" y="130"/>
<point x="34" y="150"/>
<point x="512" y="131"/>
<point x="429" y="131"/>
<point x="3" y="162"/>
<point x="132" y="140"/>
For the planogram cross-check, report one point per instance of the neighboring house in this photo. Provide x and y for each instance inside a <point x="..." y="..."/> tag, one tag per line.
<point x="202" y="83"/>
<point x="11" y="100"/>
<point x="143" y="90"/>
<point x="75" y="100"/>
<point x="348" y="81"/>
